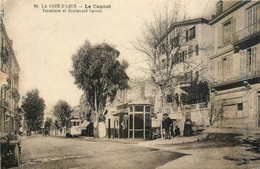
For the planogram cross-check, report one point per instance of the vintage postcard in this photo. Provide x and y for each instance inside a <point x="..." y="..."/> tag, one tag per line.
<point x="134" y="84"/>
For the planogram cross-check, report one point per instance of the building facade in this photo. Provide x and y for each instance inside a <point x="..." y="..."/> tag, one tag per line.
<point x="9" y="98"/>
<point x="187" y="96"/>
<point x="236" y="63"/>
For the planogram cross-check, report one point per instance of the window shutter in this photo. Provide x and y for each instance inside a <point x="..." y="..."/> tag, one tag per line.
<point x="254" y="59"/>
<point x="230" y="67"/>
<point x="197" y="49"/>
<point x="187" y="36"/>
<point x="258" y="15"/>
<point x="233" y="29"/>
<point x="219" y="42"/>
<point x="219" y="69"/>
<point x="190" y="52"/>
<point x="257" y="60"/>
<point x="247" y="61"/>
<point x="242" y="62"/>
<point x="185" y="55"/>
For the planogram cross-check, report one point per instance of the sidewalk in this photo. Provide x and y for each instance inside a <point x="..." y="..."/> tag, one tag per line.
<point x="208" y="157"/>
<point x="119" y="140"/>
<point x="175" y="140"/>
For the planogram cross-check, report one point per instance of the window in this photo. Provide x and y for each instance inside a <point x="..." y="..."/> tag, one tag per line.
<point x="175" y="42"/>
<point x="147" y="109"/>
<point x="252" y="19"/>
<point x="169" y="98"/>
<point x="190" y="51"/>
<point x="190" y="34"/>
<point x="249" y="61"/>
<point x="240" y="106"/>
<point x="227" y="32"/>
<point x="182" y="56"/>
<point x="187" y="36"/>
<point x="197" y="50"/>
<point x="139" y="108"/>
<point x="225" y="68"/>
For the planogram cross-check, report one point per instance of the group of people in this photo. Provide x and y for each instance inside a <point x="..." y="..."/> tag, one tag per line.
<point x="46" y="132"/>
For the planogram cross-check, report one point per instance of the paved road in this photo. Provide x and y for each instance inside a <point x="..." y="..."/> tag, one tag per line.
<point x="62" y="152"/>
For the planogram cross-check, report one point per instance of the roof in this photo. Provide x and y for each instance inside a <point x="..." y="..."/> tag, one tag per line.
<point x="228" y="11"/>
<point x="184" y="23"/>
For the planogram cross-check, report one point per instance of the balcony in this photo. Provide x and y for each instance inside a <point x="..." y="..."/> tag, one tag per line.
<point x="248" y="36"/>
<point x="252" y="77"/>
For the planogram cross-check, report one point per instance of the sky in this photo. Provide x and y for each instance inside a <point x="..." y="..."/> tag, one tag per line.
<point x="45" y="42"/>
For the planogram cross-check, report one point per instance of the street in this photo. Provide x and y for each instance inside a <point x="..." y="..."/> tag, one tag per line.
<point x="212" y="150"/>
<point x="84" y="152"/>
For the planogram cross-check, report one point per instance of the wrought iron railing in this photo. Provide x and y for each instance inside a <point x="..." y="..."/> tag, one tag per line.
<point x="242" y="76"/>
<point x="247" y="32"/>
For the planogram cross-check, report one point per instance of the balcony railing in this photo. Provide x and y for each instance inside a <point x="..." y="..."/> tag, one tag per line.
<point x="247" y="32"/>
<point x="242" y="76"/>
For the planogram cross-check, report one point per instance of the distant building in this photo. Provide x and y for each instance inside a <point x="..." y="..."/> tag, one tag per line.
<point x="9" y="98"/>
<point x="236" y="63"/>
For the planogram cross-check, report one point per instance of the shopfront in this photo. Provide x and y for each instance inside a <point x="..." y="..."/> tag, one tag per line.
<point x="133" y="120"/>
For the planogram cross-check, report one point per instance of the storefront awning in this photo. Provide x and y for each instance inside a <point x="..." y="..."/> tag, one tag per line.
<point x="177" y="116"/>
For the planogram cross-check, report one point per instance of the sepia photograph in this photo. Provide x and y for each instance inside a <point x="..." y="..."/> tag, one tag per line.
<point x="130" y="84"/>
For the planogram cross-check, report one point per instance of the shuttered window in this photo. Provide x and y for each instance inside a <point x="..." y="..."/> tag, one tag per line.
<point x="253" y="19"/>
<point x="190" y="51"/>
<point x="226" y="32"/>
<point x="249" y="61"/>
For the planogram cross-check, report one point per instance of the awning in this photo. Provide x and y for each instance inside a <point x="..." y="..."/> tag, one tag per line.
<point x="84" y="124"/>
<point x="177" y="116"/>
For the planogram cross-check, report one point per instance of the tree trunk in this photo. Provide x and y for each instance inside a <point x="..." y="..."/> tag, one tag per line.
<point x="97" y="116"/>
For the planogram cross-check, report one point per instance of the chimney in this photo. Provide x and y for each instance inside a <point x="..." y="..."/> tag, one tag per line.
<point x="219" y="7"/>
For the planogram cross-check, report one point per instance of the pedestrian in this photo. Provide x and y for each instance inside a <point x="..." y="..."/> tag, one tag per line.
<point x="172" y="133"/>
<point x="187" y="128"/>
<point x="177" y="130"/>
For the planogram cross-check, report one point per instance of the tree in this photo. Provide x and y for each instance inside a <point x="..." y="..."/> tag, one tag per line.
<point x="62" y="111"/>
<point x="216" y="109"/>
<point x="99" y="74"/>
<point x="33" y="106"/>
<point x="48" y="123"/>
<point x="163" y="46"/>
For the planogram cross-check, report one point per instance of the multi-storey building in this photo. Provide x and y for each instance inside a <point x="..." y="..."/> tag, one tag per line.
<point x="9" y="114"/>
<point x="191" y="43"/>
<point x="236" y="63"/>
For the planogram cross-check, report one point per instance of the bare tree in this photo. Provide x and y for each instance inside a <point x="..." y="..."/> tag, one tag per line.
<point x="216" y="111"/>
<point x="163" y="40"/>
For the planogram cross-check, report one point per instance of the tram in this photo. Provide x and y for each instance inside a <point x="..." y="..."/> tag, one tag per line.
<point x="73" y="127"/>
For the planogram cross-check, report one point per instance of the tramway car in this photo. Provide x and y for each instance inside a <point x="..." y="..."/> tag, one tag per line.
<point x="73" y="127"/>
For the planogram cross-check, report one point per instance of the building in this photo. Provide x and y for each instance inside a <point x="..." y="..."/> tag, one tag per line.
<point x="130" y="110"/>
<point x="236" y="63"/>
<point x="131" y="120"/>
<point x="9" y="108"/>
<point x="187" y="63"/>
<point x="110" y="111"/>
